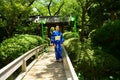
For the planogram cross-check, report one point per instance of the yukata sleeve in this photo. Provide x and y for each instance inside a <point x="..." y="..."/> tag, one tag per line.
<point x="62" y="38"/>
<point x="53" y="38"/>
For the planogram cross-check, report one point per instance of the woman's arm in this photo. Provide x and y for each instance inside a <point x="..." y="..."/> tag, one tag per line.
<point x="53" y="38"/>
<point x="62" y="39"/>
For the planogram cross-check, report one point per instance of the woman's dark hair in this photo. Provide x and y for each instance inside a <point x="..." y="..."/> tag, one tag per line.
<point x="56" y="25"/>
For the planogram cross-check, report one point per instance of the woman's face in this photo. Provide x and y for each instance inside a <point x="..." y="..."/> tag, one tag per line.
<point x="57" y="28"/>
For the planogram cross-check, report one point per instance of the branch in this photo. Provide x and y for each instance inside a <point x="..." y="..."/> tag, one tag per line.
<point x="31" y="2"/>
<point x="80" y="1"/>
<point x="88" y="5"/>
<point x="49" y="7"/>
<point x="58" y="11"/>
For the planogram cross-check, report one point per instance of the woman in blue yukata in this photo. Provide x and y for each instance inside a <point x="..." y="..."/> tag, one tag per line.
<point x="57" y="40"/>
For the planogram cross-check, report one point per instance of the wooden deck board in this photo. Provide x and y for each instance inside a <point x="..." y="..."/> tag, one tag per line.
<point x="46" y="68"/>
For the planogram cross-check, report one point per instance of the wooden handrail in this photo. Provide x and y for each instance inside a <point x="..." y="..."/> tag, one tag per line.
<point x="9" y="69"/>
<point x="68" y="67"/>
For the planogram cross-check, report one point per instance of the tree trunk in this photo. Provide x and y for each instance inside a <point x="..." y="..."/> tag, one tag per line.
<point x="112" y="15"/>
<point x="31" y="2"/>
<point x="49" y="7"/>
<point x="48" y="31"/>
<point x="82" y="26"/>
<point x="10" y="30"/>
<point x="7" y="32"/>
<point x="62" y="29"/>
<point x="40" y="30"/>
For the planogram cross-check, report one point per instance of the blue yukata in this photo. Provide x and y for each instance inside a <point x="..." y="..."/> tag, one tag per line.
<point x="57" y="39"/>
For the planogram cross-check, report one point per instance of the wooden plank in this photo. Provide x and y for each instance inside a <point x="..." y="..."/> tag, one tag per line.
<point x="30" y="55"/>
<point x="46" y="68"/>
<point x="9" y="70"/>
<point x="22" y="74"/>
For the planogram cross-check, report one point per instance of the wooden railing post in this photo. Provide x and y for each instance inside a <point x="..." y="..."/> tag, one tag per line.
<point x="24" y="66"/>
<point x="36" y="54"/>
<point x="43" y="48"/>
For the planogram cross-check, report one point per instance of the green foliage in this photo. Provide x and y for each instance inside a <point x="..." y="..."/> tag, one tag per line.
<point x="91" y="34"/>
<point x="70" y="41"/>
<point x="2" y="35"/>
<point x="18" y="11"/>
<point x="42" y="7"/>
<point x="108" y="37"/>
<point x="12" y="48"/>
<point x="103" y="10"/>
<point x="46" y="44"/>
<point x="31" y="28"/>
<point x="68" y="35"/>
<point x="72" y="48"/>
<point x="47" y="40"/>
<point x="92" y="63"/>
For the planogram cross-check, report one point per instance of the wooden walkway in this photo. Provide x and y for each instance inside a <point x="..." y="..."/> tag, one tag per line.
<point x="46" y="68"/>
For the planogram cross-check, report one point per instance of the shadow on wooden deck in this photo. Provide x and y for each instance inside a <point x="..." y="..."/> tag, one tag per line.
<point x="46" y="68"/>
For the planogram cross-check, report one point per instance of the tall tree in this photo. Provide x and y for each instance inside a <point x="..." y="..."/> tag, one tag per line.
<point x="85" y="6"/>
<point x="103" y="10"/>
<point x="12" y="12"/>
<point x="49" y="7"/>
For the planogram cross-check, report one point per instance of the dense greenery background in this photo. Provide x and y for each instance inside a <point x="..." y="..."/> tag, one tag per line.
<point x="94" y="49"/>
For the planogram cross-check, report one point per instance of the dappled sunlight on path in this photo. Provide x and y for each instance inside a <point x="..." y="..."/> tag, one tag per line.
<point x="46" y="68"/>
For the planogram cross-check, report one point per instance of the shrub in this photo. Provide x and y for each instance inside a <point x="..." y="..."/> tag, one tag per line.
<point x="68" y="35"/>
<point x="108" y="37"/>
<point x="72" y="46"/>
<point x="46" y="44"/>
<point x="12" y="48"/>
<point x="91" y="63"/>
<point x="47" y="40"/>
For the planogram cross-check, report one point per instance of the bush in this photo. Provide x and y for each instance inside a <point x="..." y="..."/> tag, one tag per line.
<point x="46" y="44"/>
<point x="91" y="63"/>
<point x="12" y="48"/>
<point x="70" y="43"/>
<point x="72" y="48"/>
<point x="47" y="40"/>
<point x="68" y="35"/>
<point x="108" y="37"/>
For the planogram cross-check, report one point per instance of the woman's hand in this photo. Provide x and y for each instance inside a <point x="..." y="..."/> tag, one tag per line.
<point x="54" y="45"/>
